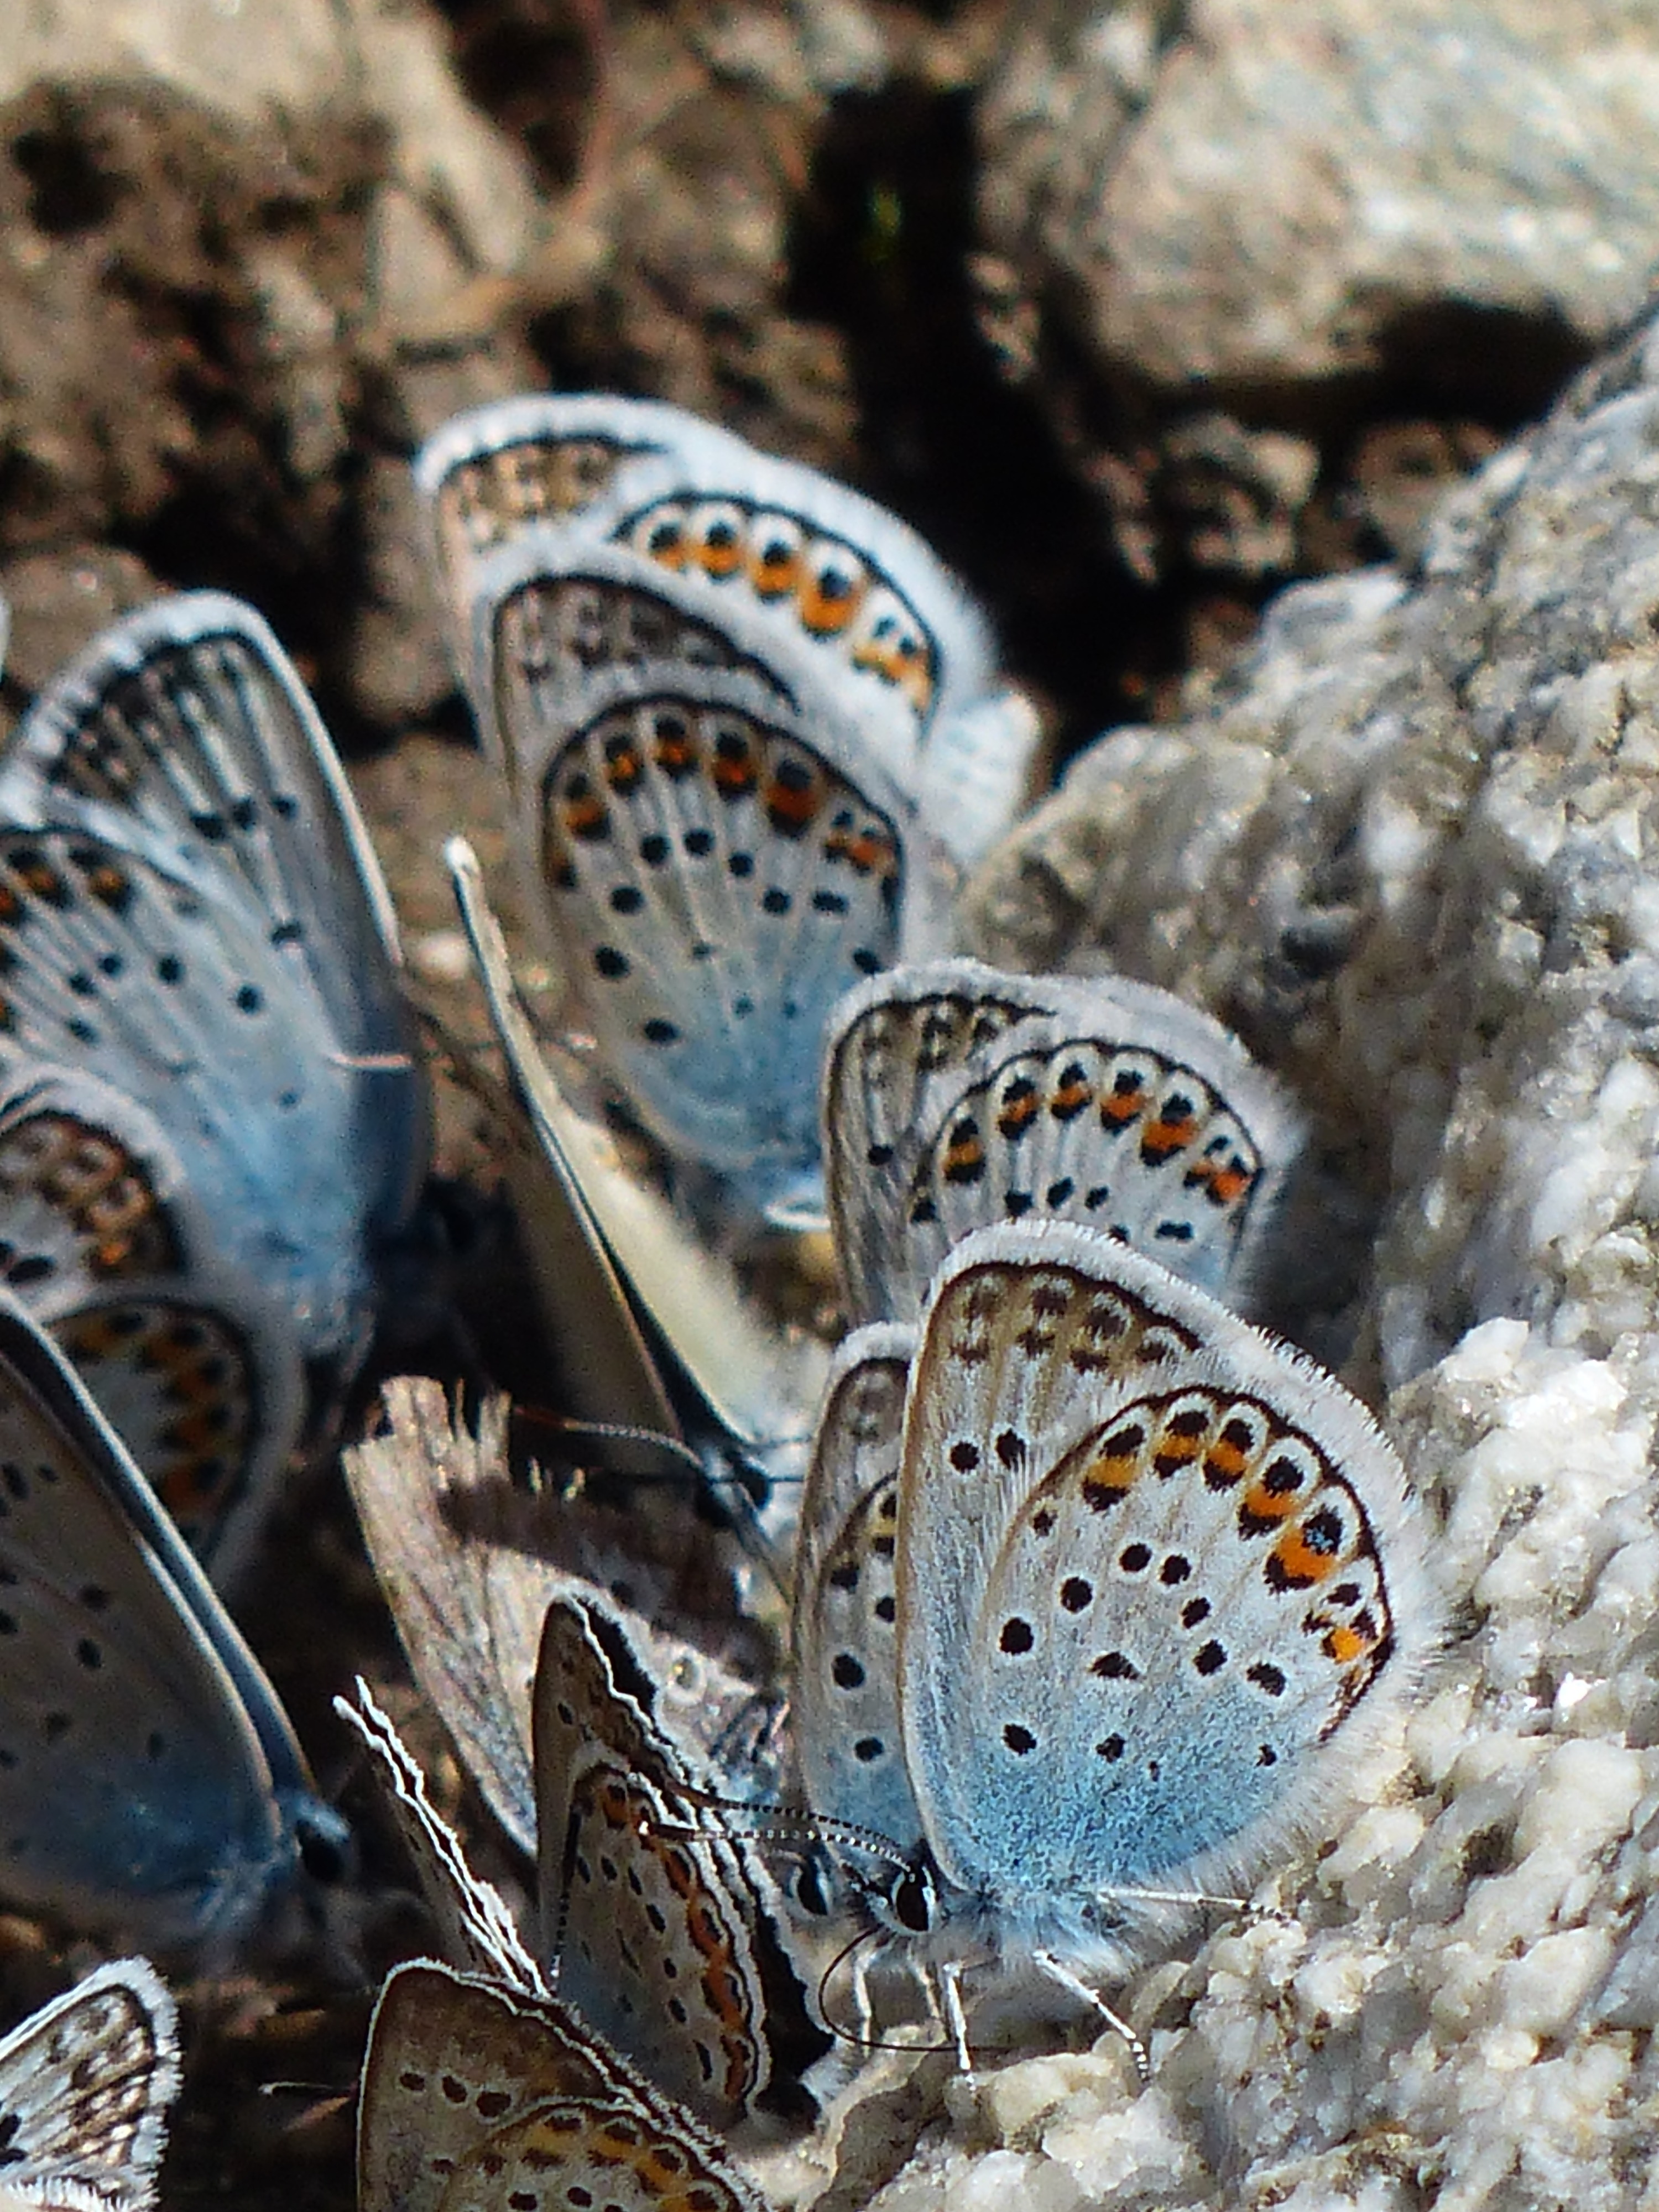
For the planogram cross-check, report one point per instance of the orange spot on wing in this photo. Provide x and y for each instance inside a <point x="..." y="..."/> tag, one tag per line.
<point x="1226" y="1184"/>
<point x="826" y="611"/>
<point x="1300" y="1563"/>
<point x="793" y="803"/>
<point x="1345" y="1645"/>
<point x="1161" y="1137"/>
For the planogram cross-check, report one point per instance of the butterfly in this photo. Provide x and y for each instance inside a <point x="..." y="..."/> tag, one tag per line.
<point x="728" y="701"/>
<point x="86" y="2083"/>
<point x="803" y="572"/>
<point x="480" y="2095"/>
<point x="672" y="1977"/>
<point x="665" y="1930"/>
<point x="214" y="1121"/>
<point x="1102" y="1593"/>
<point x="479" y="2086"/>
<point x="150" y="1783"/>
<point x="657" y="1334"/>
<point x="956" y="1096"/>
<point x="470" y="1563"/>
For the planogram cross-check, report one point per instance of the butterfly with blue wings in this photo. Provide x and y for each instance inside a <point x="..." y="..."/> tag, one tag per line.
<point x="212" y="1122"/>
<point x="150" y="1783"/>
<point x="1102" y="1595"/>
<point x="720" y="739"/>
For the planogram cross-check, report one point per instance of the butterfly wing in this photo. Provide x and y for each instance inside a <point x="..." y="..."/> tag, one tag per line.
<point x="183" y="736"/>
<point x="478" y="1933"/>
<point x="477" y="2096"/>
<point x="173" y="996"/>
<point x="450" y="2057"/>
<point x="194" y="1365"/>
<point x="151" y="1781"/>
<point x="663" y="1938"/>
<point x="612" y="1253"/>
<point x="555" y="609"/>
<point x="1150" y="1563"/>
<point x="843" y="1699"/>
<point x="470" y="1564"/>
<point x="715" y="870"/>
<point x="85" y="2086"/>
<point x="957" y="1096"/>
<point x="806" y="564"/>
<point x="895" y="1055"/>
<point x="469" y="1613"/>
<point x="537" y="459"/>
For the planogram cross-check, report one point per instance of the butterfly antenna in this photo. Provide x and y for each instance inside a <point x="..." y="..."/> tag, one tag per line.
<point x="790" y="1826"/>
<point x="862" y="2039"/>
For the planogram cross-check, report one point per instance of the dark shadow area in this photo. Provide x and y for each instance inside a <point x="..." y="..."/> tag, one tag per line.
<point x="881" y="248"/>
<point x="529" y="64"/>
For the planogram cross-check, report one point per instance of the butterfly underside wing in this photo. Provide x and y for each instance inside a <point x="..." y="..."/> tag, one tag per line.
<point x="654" y="1329"/>
<point x="151" y="1782"/>
<point x="85" y="2087"/>
<point x="820" y="575"/>
<point x="844" y="1682"/>
<point x="957" y="1096"/>
<point x="661" y="1928"/>
<point x="475" y="1927"/>
<point x="479" y="2087"/>
<point x="182" y="735"/>
<point x="190" y="1359"/>
<point x="714" y="868"/>
<point x="470" y="1563"/>
<point x="476" y="2097"/>
<point x="1151" y="1566"/>
<point x="192" y="919"/>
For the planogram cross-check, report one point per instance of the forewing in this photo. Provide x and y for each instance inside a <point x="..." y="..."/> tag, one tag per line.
<point x="478" y="1933"/>
<point x="141" y="1789"/>
<point x="194" y="1364"/>
<point x="714" y="879"/>
<point x="450" y="2058"/>
<point x="651" y="1917"/>
<point x="896" y="1052"/>
<point x="617" y="1266"/>
<point x="1177" y="1557"/>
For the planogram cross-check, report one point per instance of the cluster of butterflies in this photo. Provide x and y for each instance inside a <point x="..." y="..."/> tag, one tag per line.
<point x="1095" y="1591"/>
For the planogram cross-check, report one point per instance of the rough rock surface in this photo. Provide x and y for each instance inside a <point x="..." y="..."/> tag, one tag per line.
<point x="1411" y="843"/>
<point x="1271" y="208"/>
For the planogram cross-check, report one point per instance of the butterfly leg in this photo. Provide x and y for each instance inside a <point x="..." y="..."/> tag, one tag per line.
<point x="1080" y="1989"/>
<point x="864" y="2013"/>
<point x="948" y="2001"/>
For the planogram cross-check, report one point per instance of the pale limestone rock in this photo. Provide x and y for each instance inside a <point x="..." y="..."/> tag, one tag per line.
<point x="1256" y="206"/>
<point x="1412" y="840"/>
